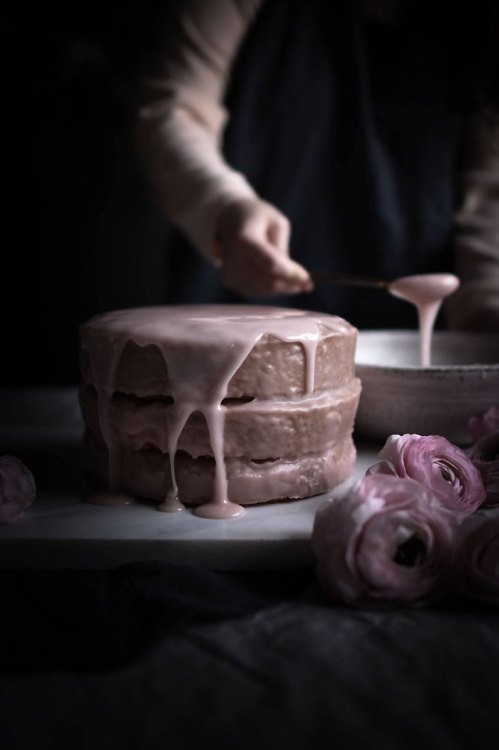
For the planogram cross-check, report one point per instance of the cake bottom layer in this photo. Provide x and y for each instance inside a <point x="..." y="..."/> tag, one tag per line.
<point x="147" y="474"/>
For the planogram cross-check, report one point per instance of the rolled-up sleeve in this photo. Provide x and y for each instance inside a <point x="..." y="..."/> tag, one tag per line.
<point x="476" y="304"/>
<point x="181" y="120"/>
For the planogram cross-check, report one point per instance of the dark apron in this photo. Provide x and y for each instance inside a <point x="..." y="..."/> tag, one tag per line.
<point x="354" y="130"/>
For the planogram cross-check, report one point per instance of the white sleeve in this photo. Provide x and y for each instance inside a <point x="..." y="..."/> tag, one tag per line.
<point x="475" y="306"/>
<point x="180" y="124"/>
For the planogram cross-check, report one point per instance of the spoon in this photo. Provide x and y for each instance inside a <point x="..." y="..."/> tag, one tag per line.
<point x="342" y="278"/>
<point x="425" y="291"/>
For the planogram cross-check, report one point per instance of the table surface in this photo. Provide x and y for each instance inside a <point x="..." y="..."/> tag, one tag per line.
<point x="62" y="530"/>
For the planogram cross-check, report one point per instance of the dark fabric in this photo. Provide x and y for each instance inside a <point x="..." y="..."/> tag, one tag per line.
<point x="160" y="655"/>
<point x="354" y="130"/>
<point x="87" y="621"/>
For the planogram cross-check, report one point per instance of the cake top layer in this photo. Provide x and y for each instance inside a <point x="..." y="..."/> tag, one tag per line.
<point x="220" y="323"/>
<point x="204" y="345"/>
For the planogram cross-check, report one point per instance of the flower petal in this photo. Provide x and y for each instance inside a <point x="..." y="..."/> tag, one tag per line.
<point x="17" y="489"/>
<point x="440" y="466"/>
<point x="388" y="540"/>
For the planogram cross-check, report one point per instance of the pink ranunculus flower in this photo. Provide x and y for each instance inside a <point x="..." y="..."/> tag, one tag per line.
<point x="443" y="468"/>
<point x="17" y="489"/>
<point x="482" y="424"/>
<point x="476" y="570"/>
<point x="485" y="455"/>
<point x="387" y="540"/>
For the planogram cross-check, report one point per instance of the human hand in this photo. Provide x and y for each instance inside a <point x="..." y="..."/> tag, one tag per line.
<point x="252" y="244"/>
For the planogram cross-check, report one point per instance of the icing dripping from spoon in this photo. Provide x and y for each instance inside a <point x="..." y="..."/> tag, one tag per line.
<point x="426" y="292"/>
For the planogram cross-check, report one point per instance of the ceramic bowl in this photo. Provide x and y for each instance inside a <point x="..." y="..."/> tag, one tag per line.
<point x="399" y="396"/>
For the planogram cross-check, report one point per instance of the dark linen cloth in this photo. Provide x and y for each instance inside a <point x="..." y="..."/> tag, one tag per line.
<point x="154" y="655"/>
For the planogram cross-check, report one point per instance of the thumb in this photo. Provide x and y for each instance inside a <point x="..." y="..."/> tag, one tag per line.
<point x="280" y="264"/>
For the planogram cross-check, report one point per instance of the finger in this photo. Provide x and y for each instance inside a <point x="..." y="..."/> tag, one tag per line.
<point x="258" y="284"/>
<point x="265" y="257"/>
<point x="278" y="234"/>
<point x="299" y="273"/>
<point x="285" y="286"/>
<point x="268" y="260"/>
<point x="251" y="280"/>
<point x="290" y="271"/>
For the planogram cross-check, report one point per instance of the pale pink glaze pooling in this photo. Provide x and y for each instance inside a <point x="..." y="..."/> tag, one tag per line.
<point x="199" y="377"/>
<point x="426" y="292"/>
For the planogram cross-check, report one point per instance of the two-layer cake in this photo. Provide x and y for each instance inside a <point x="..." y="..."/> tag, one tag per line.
<point x="220" y="406"/>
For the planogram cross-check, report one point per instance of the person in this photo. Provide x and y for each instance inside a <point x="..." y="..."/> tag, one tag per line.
<point x="289" y="136"/>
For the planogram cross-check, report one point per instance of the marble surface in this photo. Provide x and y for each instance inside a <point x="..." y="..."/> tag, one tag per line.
<point x="61" y="530"/>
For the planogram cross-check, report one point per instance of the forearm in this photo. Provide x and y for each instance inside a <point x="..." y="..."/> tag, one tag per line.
<point x="180" y="125"/>
<point x="476" y="305"/>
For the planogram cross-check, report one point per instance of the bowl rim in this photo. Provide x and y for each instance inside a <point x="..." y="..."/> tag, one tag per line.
<point x="489" y="367"/>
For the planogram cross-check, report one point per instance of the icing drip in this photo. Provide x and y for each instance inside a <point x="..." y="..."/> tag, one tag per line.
<point x="113" y="496"/>
<point x="179" y="414"/>
<point x="198" y="373"/>
<point x="220" y="506"/>
<point x="426" y="292"/>
<point x="171" y="503"/>
<point x="310" y="350"/>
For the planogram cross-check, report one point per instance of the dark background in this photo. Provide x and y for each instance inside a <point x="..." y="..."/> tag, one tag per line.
<point x="81" y="230"/>
<point x="78" y="210"/>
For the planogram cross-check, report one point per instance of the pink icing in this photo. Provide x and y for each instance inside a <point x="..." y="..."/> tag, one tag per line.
<point x="426" y="292"/>
<point x="199" y="382"/>
<point x="171" y="503"/>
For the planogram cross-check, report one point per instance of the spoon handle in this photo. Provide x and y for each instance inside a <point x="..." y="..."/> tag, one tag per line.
<point x="341" y="278"/>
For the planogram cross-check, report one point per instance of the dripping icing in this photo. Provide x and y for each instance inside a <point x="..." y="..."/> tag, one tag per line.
<point x="426" y="292"/>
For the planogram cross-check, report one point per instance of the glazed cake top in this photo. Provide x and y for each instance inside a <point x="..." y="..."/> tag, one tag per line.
<point x="214" y="323"/>
<point x="203" y="342"/>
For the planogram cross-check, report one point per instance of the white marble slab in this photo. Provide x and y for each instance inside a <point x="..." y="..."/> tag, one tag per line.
<point x="62" y="531"/>
<point x="44" y="427"/>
